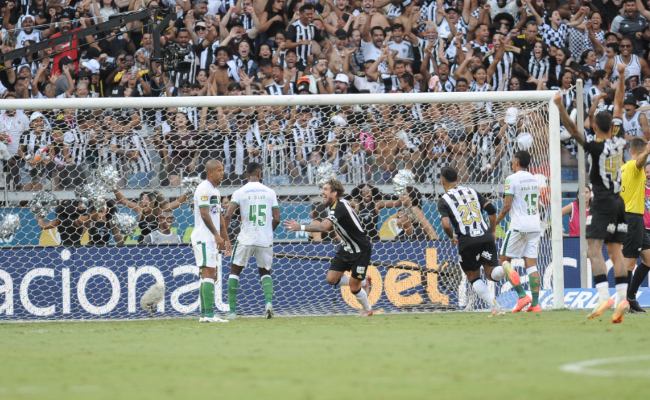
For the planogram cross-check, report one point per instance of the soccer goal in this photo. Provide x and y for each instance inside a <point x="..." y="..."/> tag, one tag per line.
<point x="75" y="249"/>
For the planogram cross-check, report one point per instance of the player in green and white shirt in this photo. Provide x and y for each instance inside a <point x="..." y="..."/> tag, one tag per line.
<point x="260" y="215"/>
<point x="209" y="236"/>
<point x="522" y="239"/>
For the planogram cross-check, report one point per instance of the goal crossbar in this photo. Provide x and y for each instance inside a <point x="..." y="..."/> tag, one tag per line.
<point x="293" y="100"/>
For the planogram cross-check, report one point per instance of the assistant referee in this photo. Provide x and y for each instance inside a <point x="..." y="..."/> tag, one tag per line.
<point x="636" y="241"/>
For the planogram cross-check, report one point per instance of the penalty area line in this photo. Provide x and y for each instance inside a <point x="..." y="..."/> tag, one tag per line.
<point x="587" y="367"/>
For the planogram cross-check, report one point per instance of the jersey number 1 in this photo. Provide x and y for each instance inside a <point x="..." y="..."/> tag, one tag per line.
<point x="257" y="215"/>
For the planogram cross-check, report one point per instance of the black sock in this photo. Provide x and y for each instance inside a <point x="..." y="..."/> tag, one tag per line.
<point x="629" y="277"/>
<point x="639" y="275"/>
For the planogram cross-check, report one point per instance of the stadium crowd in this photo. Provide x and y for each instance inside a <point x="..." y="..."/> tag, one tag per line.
<point x="275" y="48"/>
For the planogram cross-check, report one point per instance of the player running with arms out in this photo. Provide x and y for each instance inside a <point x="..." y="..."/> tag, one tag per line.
<point x="460" y="210"/>
<point x="606" y="222"/>
<point x="356" y="249"/>
<point x="256" y="203"/>
<point x="522" y="239"/>
<point x="637" y="242"/>
<point x="209" y="236"/>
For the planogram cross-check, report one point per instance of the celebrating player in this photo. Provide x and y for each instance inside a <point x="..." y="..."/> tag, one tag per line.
<point x="462" y="207"/>
<point x="606" y="222"/>
<point x="255" y="238"/>
<point x="522" y="239"/>
<point x="637" y="242"/>
<point x="354" y="253"/>
<point x="209" y="236"/>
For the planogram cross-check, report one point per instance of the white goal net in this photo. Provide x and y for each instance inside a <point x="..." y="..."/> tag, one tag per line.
<point x="76" y="249"/>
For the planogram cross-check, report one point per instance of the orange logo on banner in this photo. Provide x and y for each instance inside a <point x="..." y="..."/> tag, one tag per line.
<point x="395" y="286"/>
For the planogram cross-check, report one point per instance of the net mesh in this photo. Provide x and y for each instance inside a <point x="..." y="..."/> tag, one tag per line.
<point x="83" y="261"/>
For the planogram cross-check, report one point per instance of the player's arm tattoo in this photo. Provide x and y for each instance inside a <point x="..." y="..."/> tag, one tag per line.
<point x="322" y="226"/>
<point x="505" y="209"/>
<point x="205" y="216"/>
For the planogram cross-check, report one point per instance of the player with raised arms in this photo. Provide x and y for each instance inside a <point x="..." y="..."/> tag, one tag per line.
<point x="356" y="249"/>
<point x="461" y="210"/>
<point x="209" y="236"/>
<point x="255" y="238"/>
<point x="606" y="222"/>
<point x="522" y="239"/>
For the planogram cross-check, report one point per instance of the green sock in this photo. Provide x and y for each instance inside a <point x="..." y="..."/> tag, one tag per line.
<point x="208" y="297"/>
<point x="201" y="298"/>
<point x="534" y="289"/>
<point x="267" y="286"/>
<point x="520" y="290"/>
<point x="233" y="288"/>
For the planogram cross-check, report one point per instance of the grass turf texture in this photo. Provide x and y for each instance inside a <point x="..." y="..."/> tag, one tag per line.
<point x="442" y="356"/>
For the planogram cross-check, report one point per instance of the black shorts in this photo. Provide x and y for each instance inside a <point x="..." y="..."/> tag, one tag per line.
<point x="472" y="257"/>
<point x="356" y="263"/>
<point x="636" y="239"/>
<point x="606" y="220"/>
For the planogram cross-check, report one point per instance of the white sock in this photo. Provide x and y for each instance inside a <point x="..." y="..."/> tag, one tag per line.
<point x="362" y="298"/>
<point x="345" y="280"/>
<point x="603" y="290"/>
<point x="531" y="270"/>
<point x="231" y="276"/>
<point x="208" y="280"/>
<point x="621" y="292"/>
<point x="483" y="292"/>
<point x="497" y="274"/>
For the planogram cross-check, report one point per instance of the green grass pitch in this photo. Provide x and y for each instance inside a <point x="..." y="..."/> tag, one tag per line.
<point x="415" y="356"/>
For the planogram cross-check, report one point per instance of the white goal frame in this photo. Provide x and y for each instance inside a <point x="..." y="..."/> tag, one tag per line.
<point x="352" y="99"/>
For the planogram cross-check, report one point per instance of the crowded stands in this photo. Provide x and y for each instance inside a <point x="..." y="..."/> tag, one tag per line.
<point x="278" y="48"/>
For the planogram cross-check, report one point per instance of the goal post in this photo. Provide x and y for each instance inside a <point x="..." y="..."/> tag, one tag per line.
<point x="421" y="274"/>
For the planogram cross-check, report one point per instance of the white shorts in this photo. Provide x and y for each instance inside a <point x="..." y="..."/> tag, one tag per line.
<point x="241" y="253"/>
<point x="206" y="254"/>
<point x="520" y="244"/>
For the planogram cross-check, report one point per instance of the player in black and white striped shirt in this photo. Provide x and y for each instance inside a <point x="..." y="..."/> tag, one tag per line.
<point x="302" y="34"/>
<point x="356" y="249"/>
<point x="461" y="211"/>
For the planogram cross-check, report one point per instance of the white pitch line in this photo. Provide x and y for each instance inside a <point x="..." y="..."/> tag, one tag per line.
<point x="586" y="367"/>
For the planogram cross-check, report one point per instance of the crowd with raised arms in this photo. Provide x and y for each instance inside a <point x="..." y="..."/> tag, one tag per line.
<point x="278" y="48"/>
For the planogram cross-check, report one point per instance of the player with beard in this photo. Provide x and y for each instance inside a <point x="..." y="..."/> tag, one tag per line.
<point x="356" y="249"/>
<point x="606" y="222"/>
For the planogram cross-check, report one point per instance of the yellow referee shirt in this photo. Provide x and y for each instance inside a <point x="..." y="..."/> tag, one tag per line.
<point x="633" y="191"/>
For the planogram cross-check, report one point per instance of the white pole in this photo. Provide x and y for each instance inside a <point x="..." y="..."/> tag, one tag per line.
<point x="556" y="205"/>
<point x="582" y="202"/>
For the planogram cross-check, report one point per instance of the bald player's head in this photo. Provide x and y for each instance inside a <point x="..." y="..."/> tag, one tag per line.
<point x="214" y="171"/>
